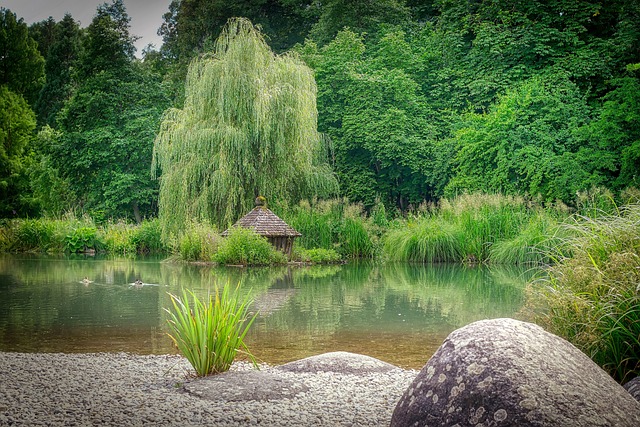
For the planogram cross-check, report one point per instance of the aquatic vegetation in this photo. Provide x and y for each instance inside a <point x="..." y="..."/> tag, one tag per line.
<point x="210" y="333"/>
<point x="592" y="294"/>
<point x="474" y="229"/>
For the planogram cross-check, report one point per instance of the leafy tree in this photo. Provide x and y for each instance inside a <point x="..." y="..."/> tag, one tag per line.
<point x="191" y="26"/>
<point x="525" y="144"/>
<point x="358" y="16"/>
<point x="62" y="60"/>
<point x="248" y="128"/>
<point x="17" y="122"/>
<point x="108" y="46"/>
<point x="614" y="155"/>
<point x="21" y="65"/>
<point x="44" y="33"/>
<point x="377" y="118"/>
<point x="50" y="191"/>
<point x="105" y="149"/>
<point x="107" y="127"/>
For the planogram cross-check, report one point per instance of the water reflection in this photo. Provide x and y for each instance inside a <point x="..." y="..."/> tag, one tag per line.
<point x="396" y="312"/>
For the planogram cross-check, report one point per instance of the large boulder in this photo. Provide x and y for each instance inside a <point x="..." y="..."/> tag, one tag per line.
<point x="504" y="372"/>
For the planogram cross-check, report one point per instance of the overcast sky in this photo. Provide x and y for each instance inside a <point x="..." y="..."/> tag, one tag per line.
<point x="146" y="15"/>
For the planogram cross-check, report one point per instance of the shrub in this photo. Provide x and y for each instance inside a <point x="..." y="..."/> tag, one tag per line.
<point x="318" y="256"/>
<point x="148" y="237"/>
<point x="243" y="246"/>
<point x="118" y="238"/>
<point x="531" y="246"/>
<point x="209" y="334"/>
<point x="339" y="225"/>
<point x="82" y="239"/>
<point x="198" y="243"/>
<point x="592" y="296"/>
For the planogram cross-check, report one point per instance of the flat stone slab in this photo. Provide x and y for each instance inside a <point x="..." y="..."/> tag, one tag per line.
<point x="235" y="386"/>
<point x="340" y="362"/>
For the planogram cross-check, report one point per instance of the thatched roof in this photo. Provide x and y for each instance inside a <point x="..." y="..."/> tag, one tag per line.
<point x="265" y="223"/>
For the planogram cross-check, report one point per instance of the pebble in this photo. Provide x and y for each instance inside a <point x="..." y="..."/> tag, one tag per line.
<point x="123" y="389"/>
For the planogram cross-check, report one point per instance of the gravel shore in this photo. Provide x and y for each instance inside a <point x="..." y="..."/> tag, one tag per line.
<point x="123" y="389"/>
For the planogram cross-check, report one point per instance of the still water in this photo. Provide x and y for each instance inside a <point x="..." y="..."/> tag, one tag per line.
<point x="398" y="313"/>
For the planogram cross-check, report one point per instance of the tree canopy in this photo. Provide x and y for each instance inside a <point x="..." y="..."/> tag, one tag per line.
<point x="248" y="128"/>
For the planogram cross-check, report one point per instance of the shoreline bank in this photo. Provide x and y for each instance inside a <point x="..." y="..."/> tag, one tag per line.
<point x="62" y="389"/>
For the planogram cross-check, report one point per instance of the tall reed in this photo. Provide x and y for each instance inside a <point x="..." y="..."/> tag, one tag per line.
<point x="210" y="334"/>
<point x="469" y="228"/>
<point x="592" y="294"/>
<point x="337" y="224"/>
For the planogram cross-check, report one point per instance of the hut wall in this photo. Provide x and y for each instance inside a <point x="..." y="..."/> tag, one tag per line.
<point x="283" y="244"/>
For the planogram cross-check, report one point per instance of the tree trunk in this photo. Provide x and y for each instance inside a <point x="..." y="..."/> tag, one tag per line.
<point x="136" y="212"/>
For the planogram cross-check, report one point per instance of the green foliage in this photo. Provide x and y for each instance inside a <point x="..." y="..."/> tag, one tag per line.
<point x="105" y="149"/>
<point x="17" y="122"/>
<point x="475" y="228"/>
<point x="198" y="243"/>
<point x="244" y="247"/>
<point x="118" y="238"/>
<point x="21" y="65"/>
<point x="62" y="59"/>
<point x="526" y="144"/>
<point x="108" y="46"/>
<point x="359" y="17"/>
<point x="78" y="235"/>
<point x="82" y="239"/>
<point x="31" y="235"/>
<point x="335" y="224"/>
<point x="210" y="333"/>
<point x="532" y="245"/>
<point x="591" y="295"/>
<point x="424" y="241"/>
<point x="147" y="237"/>
<point x="248" y="127"/>
<point x="318" y="256"/>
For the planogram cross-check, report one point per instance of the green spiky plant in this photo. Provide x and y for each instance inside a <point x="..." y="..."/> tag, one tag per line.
<point x="211" y="333"/>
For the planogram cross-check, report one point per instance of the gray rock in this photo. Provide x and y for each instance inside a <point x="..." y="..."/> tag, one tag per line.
<point x="341" y="362"/>
<point x="243" y="386"/>
<point x="504" y="372"/>
<point x="633" y="387"/>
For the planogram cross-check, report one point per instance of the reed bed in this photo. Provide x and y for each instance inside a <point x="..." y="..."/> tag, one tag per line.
<point x="591" y="296"/>
<point x="475" y="229"/>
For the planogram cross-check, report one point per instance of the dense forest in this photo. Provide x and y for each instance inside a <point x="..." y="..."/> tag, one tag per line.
<point x="416" y="100"/>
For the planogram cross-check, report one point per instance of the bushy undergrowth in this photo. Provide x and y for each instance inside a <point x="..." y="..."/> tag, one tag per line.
<point x="73" y="235"/>
<point x="198" y="243"/>
<point x="210" y="333"/>
<point x="317" y="256"/>
<point x="243" y="246"/>
<point x="474" y="228"/>
<point x="592" y="296"/>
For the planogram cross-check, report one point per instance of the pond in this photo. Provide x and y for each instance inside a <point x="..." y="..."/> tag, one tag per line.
<point x="398" y="313"/>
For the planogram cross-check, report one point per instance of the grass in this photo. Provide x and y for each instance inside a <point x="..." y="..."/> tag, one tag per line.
<point x="210" y="333"/>
<point x="592" y="294"/>
<point x="472" y="229"/>
<point x="338" y="225"/>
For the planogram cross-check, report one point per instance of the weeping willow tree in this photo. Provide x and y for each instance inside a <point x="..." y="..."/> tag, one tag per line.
<point x="248" y="128"/>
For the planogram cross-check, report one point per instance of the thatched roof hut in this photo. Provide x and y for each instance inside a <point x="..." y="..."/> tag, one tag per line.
<point x="266" y="223"/>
